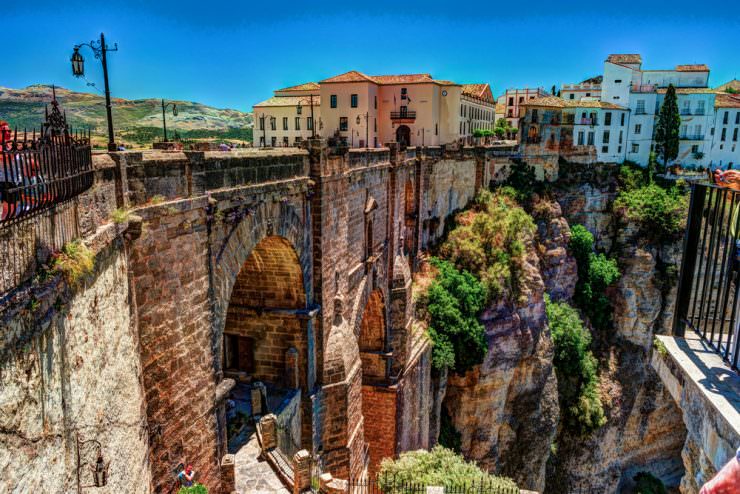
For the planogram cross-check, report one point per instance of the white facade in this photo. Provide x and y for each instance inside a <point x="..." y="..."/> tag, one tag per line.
<point x="286" y="118"/>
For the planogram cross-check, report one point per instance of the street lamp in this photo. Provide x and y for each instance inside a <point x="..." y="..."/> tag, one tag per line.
<point x="99" y="470"/>
<point x="99" y="49"/>
<point x="299" y="109"/>
<point x="263" y="124"/>
<point x="164" y="116"/>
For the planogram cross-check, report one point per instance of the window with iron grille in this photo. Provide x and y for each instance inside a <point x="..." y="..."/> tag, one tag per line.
<point x="343" y="124"/>
<point x="333" y="100"/>
<point x="353" y="101"/>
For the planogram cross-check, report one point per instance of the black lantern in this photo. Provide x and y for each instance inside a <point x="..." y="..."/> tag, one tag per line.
<point x="78" y="63"/>
<point x="100" y="472"/>
<point x="358" y="120"/>
<point x="174" y="110"/>
<point x="299" y="109"/>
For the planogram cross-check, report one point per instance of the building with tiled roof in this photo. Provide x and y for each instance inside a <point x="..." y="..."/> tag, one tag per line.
<point x="625" y="59"/>
<point x="727" y="100"/>
<point x="730" y="86"/>
<point x="513" y="99"/>
<point x="371" y="110"/>
<point x="699" y="67"/>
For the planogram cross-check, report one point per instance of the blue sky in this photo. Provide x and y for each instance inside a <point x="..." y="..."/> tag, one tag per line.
<point x="233" y="54"/>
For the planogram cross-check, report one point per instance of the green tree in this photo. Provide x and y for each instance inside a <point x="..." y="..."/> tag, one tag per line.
<point x="667" y="128"/>
<point x="575" y="366"/>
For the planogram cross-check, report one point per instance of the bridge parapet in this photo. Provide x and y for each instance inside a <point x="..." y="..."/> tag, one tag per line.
<point x="171" y="175"/>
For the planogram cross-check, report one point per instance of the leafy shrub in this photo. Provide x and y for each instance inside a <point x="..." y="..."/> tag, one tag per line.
<point x="194" y="489"/>
<point x="575" y="367"/>
<point x="451" y="306"/>
<point x="523" y="180"/>
<point x="438" y="467"/>
<point x="647" y="483"/>
<point x="660" y="213"/>
<point x="595" y="273"/>
<point x="632" y="176"/>
<point x="120" y="215"/>
<point x="489" y="242"/>
<point x="74" y="261"/>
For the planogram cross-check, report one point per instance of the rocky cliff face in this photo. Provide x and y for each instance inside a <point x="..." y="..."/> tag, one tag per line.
<point x="644" y="431"/>
<point x="506" y="409"/>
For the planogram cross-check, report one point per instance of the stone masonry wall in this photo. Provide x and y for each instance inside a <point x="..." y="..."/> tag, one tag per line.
<point x="76" y="375"/>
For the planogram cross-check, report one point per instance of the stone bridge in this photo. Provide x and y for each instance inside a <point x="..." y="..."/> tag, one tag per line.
<point x="291" y="267"/>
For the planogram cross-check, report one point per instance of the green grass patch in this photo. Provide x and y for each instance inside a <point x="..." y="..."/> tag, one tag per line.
<point x="75" y="261"/>
<point x="120" y="215"/>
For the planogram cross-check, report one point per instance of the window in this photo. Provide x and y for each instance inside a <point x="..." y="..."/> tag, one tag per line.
<point x="375" y="141"/>
<point x="286" y="143"/>
<point x="725" y="117"/>
<point x="621" y="121"/>
<point x="605" y="149"/>
<point x="375" y="102"/>
<point x="737" y="118"/>
<point x="700" y="107"/>
<point x="635" y="148"/>
<point x="608" y="118"/>
<point x="343" y="124"/>
<point x="262" y="141"/>
<point x="262" y="123"/>
<point x="640" y="110"/>
<point x="273" y="141"/>
<point x="353" y="101"/>
<point x="580" y="138"/>
<point x="535" y="116"/>
<point x="621" y="132"/>
<point x="297" y="123"/>
<point x="333" y="100"/>
<point x="695" y="148"/>
<point x="309" y="123"/>
<point x="617" y="97"/>
<point x="617" y="81"/>
<point x="734" y="135"/>
<point x="436" y="129"/>
<point x="404" y="93"/>
<point x="273" y="123"/>
<point x="571" y="96"/>
<point x="375" y="124"/>
<point x="697" y="131"/>
<point x="285" y="123"/>
<point x="724" y="133"/>
<point x="605" y="137"/>
<point x="298" y="140"/>
<point x="590" y="138"/>
<point x="299" y="109"/>
<point x="403" y="110"/>
<point x="511" y="101"/>
<point x="588" y="94"/>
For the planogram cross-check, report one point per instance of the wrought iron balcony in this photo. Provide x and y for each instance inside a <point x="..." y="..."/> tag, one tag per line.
<point x="709" y="286"/>
<point x="643" y="88"/>
<point x="403" y="115"/>
<point x="692" y="137"/>
<point x="589" y="121"/>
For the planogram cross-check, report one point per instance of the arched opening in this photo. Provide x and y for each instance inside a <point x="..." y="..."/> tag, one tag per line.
<point x="265" y="344"/>
<point x="403" y="136"/>
<point x="378" y="403"/>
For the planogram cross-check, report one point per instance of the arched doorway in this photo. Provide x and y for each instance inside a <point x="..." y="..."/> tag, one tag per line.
<point x="403" y="135"/>
<point x="265" y="344"/>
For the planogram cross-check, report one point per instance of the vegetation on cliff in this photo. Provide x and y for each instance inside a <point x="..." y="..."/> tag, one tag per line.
<point x="576" y="367"/>
<point x="659" y="211"/>
<point x="595" y="273"/>
<point x="489" y="242"/>
<point x="438" y="467"/>
<point x="481" y="261"/>
<point x="647" y="483"/>
<point x="451" y="306"/>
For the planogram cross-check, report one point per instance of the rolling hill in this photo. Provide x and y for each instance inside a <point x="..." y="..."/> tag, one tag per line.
<point x="136" y="122"/>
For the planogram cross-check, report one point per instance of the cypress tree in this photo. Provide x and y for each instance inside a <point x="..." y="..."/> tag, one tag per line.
<point x="666" y="131"/>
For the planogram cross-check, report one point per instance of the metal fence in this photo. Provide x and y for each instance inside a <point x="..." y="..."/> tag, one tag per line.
<point x="40" y="170"/>
<point x="391" y="485"/>
<point x="709" y="285"/>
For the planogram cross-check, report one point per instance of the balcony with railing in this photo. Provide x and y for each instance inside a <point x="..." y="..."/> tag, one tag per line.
<point x="589" y="121"/>
<point x="691" y="137"/>
<point x="685" y="111"/>
<point x="709" y="288"/>
<point x="408" y="115"/>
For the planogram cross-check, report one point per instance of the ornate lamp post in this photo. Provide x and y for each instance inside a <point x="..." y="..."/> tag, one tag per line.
<point x="100" y="49"/>
<point x="263" y="124"/>
<point x="164" y="116"/>
<point x="299" y="108"/>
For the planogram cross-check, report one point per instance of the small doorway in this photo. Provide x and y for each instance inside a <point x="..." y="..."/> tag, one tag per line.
<point x="239" y="353"/>
<point x="403" y="135"/>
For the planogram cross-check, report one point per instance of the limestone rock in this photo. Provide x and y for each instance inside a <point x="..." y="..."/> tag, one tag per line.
<point x="558" y="267"/>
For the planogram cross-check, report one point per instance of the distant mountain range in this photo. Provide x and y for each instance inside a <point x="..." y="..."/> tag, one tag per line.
<point x="136" y="122"/>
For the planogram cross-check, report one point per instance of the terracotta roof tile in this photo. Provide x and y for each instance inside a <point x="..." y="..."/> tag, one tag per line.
<point x="549" y="101"/>
<point x="726" y="100"/>
<point x="688" y="90"/>
<point x="288" y="101"/>
<point x="351" y="76"/>
<point x="692" y="68"/>
<point x="402" y="78"/>
<point x="306" y="86"/>
<point x="624" y="58"/>
<point x="733" y="84"/>
<point x="555" y="102"/>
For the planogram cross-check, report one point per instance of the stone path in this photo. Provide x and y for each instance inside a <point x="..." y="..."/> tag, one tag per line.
<point x="254" y="476"/>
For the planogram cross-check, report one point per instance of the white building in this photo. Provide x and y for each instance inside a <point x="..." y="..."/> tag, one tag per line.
<point x="286" y="118"/>
<point x="514" y="99"/>
<point x="706" y="114"/>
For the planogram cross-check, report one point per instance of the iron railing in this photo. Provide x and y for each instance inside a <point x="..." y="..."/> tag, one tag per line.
<point x="403" y="115"/>
<point x="692" y="137"/>
<point x="709" y="284"/>
<point x="44" y="169"/>
<point x="385" y="484"/>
